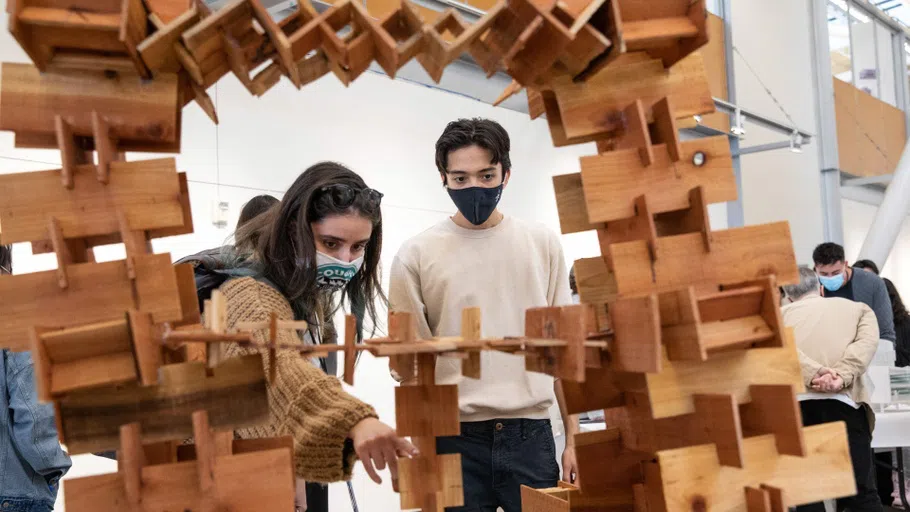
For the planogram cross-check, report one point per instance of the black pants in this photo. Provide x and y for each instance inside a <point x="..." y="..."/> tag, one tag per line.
<point x="317" y="497"/>
<point x="859" y="438"/>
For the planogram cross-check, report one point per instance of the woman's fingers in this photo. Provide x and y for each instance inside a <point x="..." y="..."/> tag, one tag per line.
<point x="367" y="461"/>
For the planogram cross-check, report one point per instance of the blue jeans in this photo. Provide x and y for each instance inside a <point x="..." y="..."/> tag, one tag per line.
<point x="24" y="505"/>
<point x="498" y="457"/>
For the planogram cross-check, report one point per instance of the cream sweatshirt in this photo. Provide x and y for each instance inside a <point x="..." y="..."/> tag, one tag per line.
<point x="504" y="270"/>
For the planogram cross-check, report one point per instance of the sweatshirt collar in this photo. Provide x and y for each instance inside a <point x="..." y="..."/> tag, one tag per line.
<point x="450" y="226"/>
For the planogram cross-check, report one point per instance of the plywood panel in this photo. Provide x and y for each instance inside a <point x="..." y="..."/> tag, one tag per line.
<point x="871" y="134"/>
<point x="737" y="255"/>
<point x="614" y="180"/>
<point x="823" y="474"/>
<point x="146" y="191"/>
<point x="671" y="392"/>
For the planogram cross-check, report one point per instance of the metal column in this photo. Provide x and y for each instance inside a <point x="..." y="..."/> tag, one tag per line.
<point x="735" y="214"/>
<point x="890" y="215"/>
<point x="826" y="124"/>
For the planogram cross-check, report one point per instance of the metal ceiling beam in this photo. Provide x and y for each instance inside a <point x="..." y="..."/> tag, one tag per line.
<point x="870" y="180"/>
<point x="760" y="119"/>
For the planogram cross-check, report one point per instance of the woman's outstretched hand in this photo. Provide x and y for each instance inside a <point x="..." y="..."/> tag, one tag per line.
<point x="379" y="446"/>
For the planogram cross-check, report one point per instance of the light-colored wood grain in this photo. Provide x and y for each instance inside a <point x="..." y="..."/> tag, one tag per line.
<point x="596" y="284"/>
<point x="586" y="109"/>
<point x="234" y="396"/>
<point x="612" y="181"/>
<point x="636" y="345"/>
<point x="67" y="345"/>
<point x="570" y="203"/>
<point x="824" y="473"/>
<point x="427" y="411"/>
<point x="719" y="416"/>
<point x="244" y="482"/>
<point x="146" y="191"/>
<point x="671" y="390"/>
<point x="137" y="111"/>
<point x="739" y="254"/>
<point x="736" y="333"/>
<point x="657" y="32"/>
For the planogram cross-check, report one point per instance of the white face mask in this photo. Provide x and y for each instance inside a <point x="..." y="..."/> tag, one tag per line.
<point x="334" y="274"/>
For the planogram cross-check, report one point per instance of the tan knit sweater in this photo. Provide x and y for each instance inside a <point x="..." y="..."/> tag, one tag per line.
<point x="304" y="402"/>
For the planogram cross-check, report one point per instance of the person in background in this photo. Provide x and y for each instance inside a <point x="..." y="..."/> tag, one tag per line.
<point x="481" y="257"/>
<point x="840" y="280"/>
<point x="901" y="324"/>
<point x="867" y="265"/>
<point x="32" y="462"/>
<point x="836" y="340"/>
<point x="325" y="235"/>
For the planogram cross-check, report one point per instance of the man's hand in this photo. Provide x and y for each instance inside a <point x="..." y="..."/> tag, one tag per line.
<point x="377" y="445"/>
<point x="569" y="465"/>
<point x="300" y="495"/>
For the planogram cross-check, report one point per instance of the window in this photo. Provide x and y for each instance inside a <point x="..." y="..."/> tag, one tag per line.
<point x="839" y="41"/>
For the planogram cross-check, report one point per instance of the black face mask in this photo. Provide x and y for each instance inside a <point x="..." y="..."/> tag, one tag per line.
<point x="476" y="203"/>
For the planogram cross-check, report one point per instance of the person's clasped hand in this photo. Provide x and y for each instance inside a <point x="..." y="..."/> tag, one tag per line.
<point x="827" y="381"/>
<point x="379" y="446"/>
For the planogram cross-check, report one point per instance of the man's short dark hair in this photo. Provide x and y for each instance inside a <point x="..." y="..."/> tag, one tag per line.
<point x="485" y="133"/>
<point x="255" y="207"/>
<point x="828" y="253"/>
<point x="867" y="264"/>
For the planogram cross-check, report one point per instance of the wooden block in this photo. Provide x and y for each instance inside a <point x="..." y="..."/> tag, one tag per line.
<point x="43" y="365"/>
<point x="570" y="203"/>
<point x="70" y="155"/>
<point x="103" y="370"/>
<point x="683" y="262"/>
<point x="542" y="323"/>
<point x="612" y="181"/>
<point x="640" y="35"/>
<point x="176" y="487"/>
<point x="157" y="50"/>
<point x="775" y="410"/>
<point x="205" y="452"/>
<point x="146" y="345"/>
<point x="596" y="284"/>
<point x="470" y="331"/>
<point x="30" y="102"/>
<point x="572" y="329"/>
<point x="681" y="330"/>
<point x="186" y="289"/>
<point x="603" y="388"/>
<point x="97" y="292"/>
<point x="597" y="478"/>
<point x="64" y="258"/>
<point x="147" y="191"/>
<point x="639" y="227"/>
<point x="776" y="498"/>
<point x="412" y="477"/>
<point x="427" y="411"/>
<point x="350" y="354"/>
<point x="719" y="415"/>
<point x="757" y="500"/>
<point x="401" y="327"/>
<point x="671" y="390"/>
<point x="665" y="128"/>
<point x="234" y="396"/>
<point x="823" y="474"/>
<point x="169" y="10"/>
<point x="635" y="133"/>
<point x="636" y="345"/>
<point x="762" y="297"/>
<point x="587" y="109"/>
<point x="693" y="219"/>
<point x="130" y="461"/>
<point x="536" y="500"/>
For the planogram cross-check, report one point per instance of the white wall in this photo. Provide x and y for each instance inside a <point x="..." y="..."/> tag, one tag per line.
<point x="778" y="185"/>
<point x="858" y="218"/>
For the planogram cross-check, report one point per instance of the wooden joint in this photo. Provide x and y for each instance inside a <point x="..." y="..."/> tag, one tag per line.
<point x="681" y="325"/>
<point x="205" y="451"/>
<point x="130" y="461"/>
<point x="470" y="331"/>
<point x="64" y="257"/>
<point x="775" y="410"/>
<point x="147" y="347"/>
<point x="639" y="227"/>
<point x="665" y="129"/>
<point x="694" y="219"/>
<point x="635" y="134"/>
<point x="776" y="498"/>
<point x="636" y="345"/>
<point x="719" y="416"/>
<point x="350" y="349"/>
<point x="105" y="146"/>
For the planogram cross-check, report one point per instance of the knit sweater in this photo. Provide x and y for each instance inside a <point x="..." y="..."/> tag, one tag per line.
<point x="303" y="401"/>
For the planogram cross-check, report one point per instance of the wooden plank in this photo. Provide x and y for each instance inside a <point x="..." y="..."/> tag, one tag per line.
<point x="244" y="482"/>
<point x="612" y="181"/>
<point x="572" y="329"/>
<point x="639" y="227"/>
<point x="536" y="500"/>
<point x="350" y="354"/>
<point x="169" y="10"/>
<point x="158" y="49"/>
<point x="603" y="388"/>
<point x="97" y="292"/>
<point x="449" y="477"/>
<point x="719" y="415"/>
<point x="748" y="331"/>
<point x="147" y="191"/>
<point x="681" y="331"/>
<point x="671" y="390"/>
<point x="730" y="304"/>
<point x="738" y="254"/>
<point x="470" y="331"/>
<point x="597" y="478"/>
<point x="234" y="396"/>
<point x="775" y="410"/>
<point x="146" y="346"/>
<point x="757" y="500"/>
<point x="587" y="109"/>
<point x="596" y="284"/>
<point x="666" y="131"/>
<point x="64" y="258"/>
<point x="657" y="32"/>
<point x="635" y="134"/>
<point x="636" y="345"/>
<point x="824" y="473"/>
<point x="427" y="411"/>
<point x="186" y="289"/>
<point x="137" y="110"/>
<point x="70" y="155"/>
<point x="97" y="371"/>
<point x="75" y="343"/>
<point x="570" y="203"/>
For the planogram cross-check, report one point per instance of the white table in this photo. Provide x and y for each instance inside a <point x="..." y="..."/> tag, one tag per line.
<point x="892" y="430"/>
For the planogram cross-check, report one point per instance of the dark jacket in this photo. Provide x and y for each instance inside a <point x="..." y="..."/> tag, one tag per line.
<point x="32" y="461"/>
<point x="869" y="289"/>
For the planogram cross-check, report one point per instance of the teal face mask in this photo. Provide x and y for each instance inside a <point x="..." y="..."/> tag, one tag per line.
<point x="832" y="283"/>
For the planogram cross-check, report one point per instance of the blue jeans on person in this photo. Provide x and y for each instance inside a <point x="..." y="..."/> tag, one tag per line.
<point x="498" y="457"/>
<point x="24" y="505"/>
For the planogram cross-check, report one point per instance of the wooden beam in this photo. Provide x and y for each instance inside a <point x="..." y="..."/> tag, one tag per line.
<point x="470" y="331"/>
<point x="636" y="345"/>
<point x="719" y="415"/>
<point x="427" y="411"/>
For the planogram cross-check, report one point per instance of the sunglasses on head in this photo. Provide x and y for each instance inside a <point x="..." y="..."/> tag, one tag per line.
<point x="344" y="195"/>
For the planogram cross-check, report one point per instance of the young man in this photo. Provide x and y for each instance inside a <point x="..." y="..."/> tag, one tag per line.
<point x="841" y="280"/>
<point x="836" y="339"/>
<point x="481" y="257"/>
<point x="31" y="459"/>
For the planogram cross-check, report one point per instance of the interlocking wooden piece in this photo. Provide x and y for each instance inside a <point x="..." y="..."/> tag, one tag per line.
<point x="774" y="409"/>
<point x="470" y="331"/>
<point x="234" y="396"/>
<point x="636" y="344"/>
<point x="412" y="477"/>
<point x="423" y="410"/>
<point x="757" y="500"/>
<point x="719" y="415"/>
<point x="350" y="355"/>
<point x="30" y="102"/>
<point x="639" y="227"/>
<point x="624" y="470"/>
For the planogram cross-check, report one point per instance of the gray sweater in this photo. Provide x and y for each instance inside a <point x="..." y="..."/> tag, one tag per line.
<point x="869" y="289"/>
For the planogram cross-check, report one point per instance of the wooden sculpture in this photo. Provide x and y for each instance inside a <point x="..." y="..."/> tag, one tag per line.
<point x="679" y="339"/>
